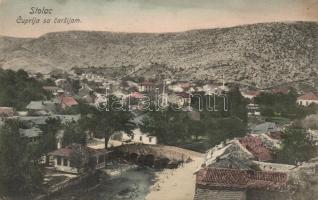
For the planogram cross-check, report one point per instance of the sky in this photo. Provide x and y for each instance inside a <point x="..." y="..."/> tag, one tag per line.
<point x="148" y="15"/>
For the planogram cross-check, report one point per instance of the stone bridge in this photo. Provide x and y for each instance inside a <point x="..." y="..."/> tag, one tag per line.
<point x="157" y="156"/>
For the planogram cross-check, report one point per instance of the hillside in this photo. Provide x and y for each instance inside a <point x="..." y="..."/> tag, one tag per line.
<point x="261" y="54"/>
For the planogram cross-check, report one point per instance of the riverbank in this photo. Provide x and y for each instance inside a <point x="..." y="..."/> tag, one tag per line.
<point x="126" y="183"/>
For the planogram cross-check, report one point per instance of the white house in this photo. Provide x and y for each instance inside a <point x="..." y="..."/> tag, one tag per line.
<point x="308" y="98"/>
<point x="250" y="94"/>
<point x="122" y="138"/>
<point x="62" y="158"/>
<point x="147" y="86"/>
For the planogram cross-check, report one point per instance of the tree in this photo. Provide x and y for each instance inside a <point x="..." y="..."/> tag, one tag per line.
<point x="169" y="126"/>
<point x="220" y="129"/>
<point x="105" y="122"/>
<point x="81" y="158"/>
<point x="20" y="172"/>
<point x="72" y="133"/>
<point x="297" y="146"/>
<point x="17" y="89"/>
<point x="48" y="141"/>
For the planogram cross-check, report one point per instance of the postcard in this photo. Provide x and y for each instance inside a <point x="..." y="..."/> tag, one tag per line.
<point x="158" y="99"/>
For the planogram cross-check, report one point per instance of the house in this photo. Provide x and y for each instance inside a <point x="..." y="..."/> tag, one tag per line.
<point x="136" y="95"/>
<point x="6" y="112"/>
<point x="308" y="98"/>
<point x="38" y="108"/>
<point x="238" y="153"/>
<point x="280" y="90"/>
<point x="60" y="82"/>
<point x="313" y="135"/>
<point x="234" y="184"/>
<point x="41" y="120"/>
<point x="53" y="89"/>
<point x="32" y="134"/>
<point x="67" y="102"/>
<point x="256" y="146"/>
<point x="147" y="86"/>
<point x="250" y="94"/>
<point x="266" y="127"/>
<point x="122" y="138"/>
<point x="63" y="159"/>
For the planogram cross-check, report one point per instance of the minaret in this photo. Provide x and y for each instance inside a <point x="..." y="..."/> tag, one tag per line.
<point x="223" y="81"/>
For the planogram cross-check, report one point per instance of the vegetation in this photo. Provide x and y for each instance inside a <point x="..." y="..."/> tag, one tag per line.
<point x="105" y="122"/>
<point x="20" y="172"/>
<point x="177" y="127"/>
<point x="48" y="140"/>
<point x="297" y="146"/>
<point x="73" y="134"/>
<point x="17" y="89"/>
<point x="282" y="105"/>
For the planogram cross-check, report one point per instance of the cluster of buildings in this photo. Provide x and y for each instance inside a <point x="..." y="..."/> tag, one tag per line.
<point x="244" y="168"/>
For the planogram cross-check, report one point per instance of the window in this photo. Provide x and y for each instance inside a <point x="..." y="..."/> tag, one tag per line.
<point x="64" y="161"/>
<point x="140" y="138"/>
<point x="150" y="139"/>
<point x="59" y="160"/>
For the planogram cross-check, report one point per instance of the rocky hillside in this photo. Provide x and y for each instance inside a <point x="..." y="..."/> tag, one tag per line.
<point x="260" y="54"/>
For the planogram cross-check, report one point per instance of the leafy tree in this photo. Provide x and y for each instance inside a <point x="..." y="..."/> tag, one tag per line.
<point x="105" y="122"/>
<point x="297" y="146"/>
<point x="220" y="129"/>
<point x="48" y="141"/>
<point x="73" y="134"/>
<point x="81" y="158"/>
<point x="17" y="89"/>
<point x="20" y="172"/>
<point x="283" y="105"/>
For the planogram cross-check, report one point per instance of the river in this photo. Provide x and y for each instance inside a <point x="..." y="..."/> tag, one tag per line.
<point x="128" y="184"/>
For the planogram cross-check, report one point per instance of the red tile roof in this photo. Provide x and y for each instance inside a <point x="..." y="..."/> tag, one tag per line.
<point x="137" y="95"/>
<point x="185" y="85"/>
<point x="69" y="101"/>
<point x="68" y="150"/>
<point x="280" y="90"/>
<point x="256" y="147"/>
<point x="254" y="93"/>
<point x="147" y="83"/>
<point x="313" y="96"/>
<point x="6" y="112"/>
<point x="246" y="179"/>
<point x="183" y="95"/>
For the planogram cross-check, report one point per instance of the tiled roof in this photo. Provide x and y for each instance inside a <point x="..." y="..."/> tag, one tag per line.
<point x="313" y="96"/>
<point x="6" y="111"/>
<point x="256" y="147"/>
<point x="185" y="85"/>
<point x="233" y="178"/>
<point x="183" y="95"/>
<point x="68" y="150"/>
<point x="251" y="93"/>
<point x="280" y="90"/>
<point x="266" y="127"/>
<point x="69" y="101"/>
<point x="137" y="95"/>
<point x="147" y="83"/>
